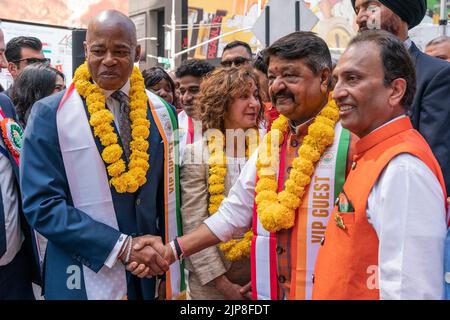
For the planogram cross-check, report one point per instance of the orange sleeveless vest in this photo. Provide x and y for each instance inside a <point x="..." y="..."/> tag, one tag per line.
<point x="347" y="263"/>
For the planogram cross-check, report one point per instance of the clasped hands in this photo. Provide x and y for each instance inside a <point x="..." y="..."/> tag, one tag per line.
<point x="149" y="257"/>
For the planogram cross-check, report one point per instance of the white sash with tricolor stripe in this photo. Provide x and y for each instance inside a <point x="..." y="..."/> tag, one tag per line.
<point x="264" y="243"/>
<point x="167" y="123"/>
<point x="90" y="190"/>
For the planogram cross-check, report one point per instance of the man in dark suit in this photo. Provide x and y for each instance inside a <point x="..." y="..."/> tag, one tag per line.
<point x="431" y="106"/>
<point x="18" y="265"/>
<point x="96" y="166"/>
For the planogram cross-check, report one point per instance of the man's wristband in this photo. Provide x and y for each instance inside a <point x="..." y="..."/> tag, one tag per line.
<point x="179" y="250"/>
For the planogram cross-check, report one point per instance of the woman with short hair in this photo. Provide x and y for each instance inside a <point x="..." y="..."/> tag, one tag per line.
<point x="229" y="105"/>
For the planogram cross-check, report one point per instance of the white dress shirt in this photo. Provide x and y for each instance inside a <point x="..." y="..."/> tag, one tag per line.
<point x="406" y="209"/>
<point x="113" y="105"/>
<point x="183" y="126"/>
<point x="8" y="187"/>
<point x="234" y="216"/>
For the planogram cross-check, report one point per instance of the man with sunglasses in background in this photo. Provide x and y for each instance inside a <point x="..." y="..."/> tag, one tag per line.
<point x="235" y="54"/>
<point x="21" y="52"/>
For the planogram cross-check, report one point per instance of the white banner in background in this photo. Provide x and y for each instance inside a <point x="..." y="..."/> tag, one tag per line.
<point x="57" y="46"/>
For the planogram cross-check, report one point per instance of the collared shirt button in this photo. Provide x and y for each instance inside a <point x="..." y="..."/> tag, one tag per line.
<point x="288" y="170"/>
<point x="353" y="165"/>
<point x="294" y="143"/>
<point x="322" y="242"/>
<point x="313" y="278"/>
<point x="138" y="201"/>
<point x="281" y="279"/>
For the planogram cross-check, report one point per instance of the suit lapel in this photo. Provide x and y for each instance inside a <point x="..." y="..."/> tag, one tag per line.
<point x="8" y="112"/>
<point x="120" y="200"/>
<point x="414" y="52"/>
<point x="415" y="107"/>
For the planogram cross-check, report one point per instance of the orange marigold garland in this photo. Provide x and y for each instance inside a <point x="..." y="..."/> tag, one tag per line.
<point x="275" y="210"/>
<point x="234" y="249"/>
<point x="101" y="120"/>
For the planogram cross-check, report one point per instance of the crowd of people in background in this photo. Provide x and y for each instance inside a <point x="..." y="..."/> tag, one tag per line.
<point x="276" y="175"/>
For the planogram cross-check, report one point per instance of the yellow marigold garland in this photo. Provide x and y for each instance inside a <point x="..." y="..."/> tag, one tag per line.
<point x="234" y="249"/>
<point x="101" y="120"/>
<point x="275" y="210"/>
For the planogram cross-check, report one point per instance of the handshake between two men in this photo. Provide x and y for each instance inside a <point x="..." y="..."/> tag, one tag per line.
<point x="149" y="257"/>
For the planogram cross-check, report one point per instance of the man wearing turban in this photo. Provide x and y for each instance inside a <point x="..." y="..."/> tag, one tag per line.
<point x="430" y="112"/>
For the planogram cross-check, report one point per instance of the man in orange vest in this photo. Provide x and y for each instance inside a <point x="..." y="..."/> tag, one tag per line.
<point x="385" y="239"/>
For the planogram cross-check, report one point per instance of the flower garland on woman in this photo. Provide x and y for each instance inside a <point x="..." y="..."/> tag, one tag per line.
<point x="101" y="120"/>
<point x="228" y="100"/>
<point x="234" y="249"/>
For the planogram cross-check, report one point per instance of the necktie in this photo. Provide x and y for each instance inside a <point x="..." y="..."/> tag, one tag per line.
<point x="124" y="120"/>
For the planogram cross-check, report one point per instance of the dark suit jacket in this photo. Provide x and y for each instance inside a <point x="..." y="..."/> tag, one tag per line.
<point x="431" y="106"/>
<point x="75" y="239"/>
<point x="29" y="245"/>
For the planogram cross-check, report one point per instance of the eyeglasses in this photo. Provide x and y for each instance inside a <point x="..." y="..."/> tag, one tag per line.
<point x="34" y="60"/>
<point x="236" y="62"/>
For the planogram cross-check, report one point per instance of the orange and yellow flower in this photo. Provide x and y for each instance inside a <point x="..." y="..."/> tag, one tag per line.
<point x="101" y="120"/>
<point x="276" y="211"/>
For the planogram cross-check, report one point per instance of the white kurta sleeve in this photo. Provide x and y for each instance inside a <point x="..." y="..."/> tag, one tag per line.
<point x="234" y="216"/>
<point x="406" y="208"/>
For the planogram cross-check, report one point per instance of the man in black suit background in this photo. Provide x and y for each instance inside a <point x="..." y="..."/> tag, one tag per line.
<point x="19" y="265"/>
<point x="431" y="106"/>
